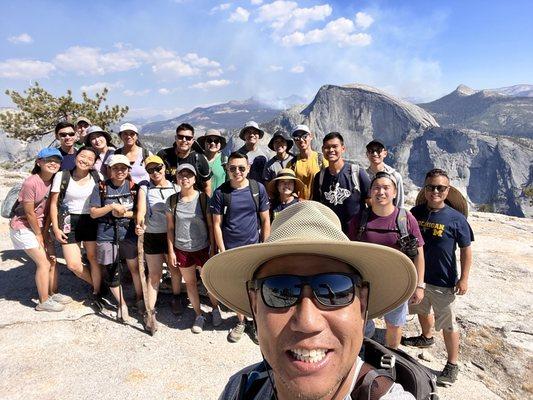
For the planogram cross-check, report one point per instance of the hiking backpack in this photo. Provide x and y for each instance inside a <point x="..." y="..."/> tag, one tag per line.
<point x="382" y="367"/>
<point x="401" y="223"/>
<point x="174" y="187"/>
<point x="11" y="202"/>
<point x="173" y="202"/>
<point x="226" y="190"/>
<point x="65" y="178"/>
<point x="354" y="173"/>
<point x="102" y="188"/>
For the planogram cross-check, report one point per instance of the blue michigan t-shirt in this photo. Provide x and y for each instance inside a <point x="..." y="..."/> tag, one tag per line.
<point x="240" y="226"/>
<point x="442" y="231"/>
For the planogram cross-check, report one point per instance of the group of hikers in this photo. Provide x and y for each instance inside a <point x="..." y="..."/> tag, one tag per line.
<point x="193" y="204"/>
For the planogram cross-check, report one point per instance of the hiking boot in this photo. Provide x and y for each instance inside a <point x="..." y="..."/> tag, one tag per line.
<point x="236" y="333"/>
<point x="198" y="325"/>
<point x="448" y="376"/>
<point x="418" y="341"/>
<point x="176" y="305"/>
<point x="49" y="305"/>
<point x="96" y="302"/>
<point x="217" y="318"/>
<point x="61" y="298"/>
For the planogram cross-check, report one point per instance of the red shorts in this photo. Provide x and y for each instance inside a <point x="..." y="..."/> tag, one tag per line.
<point x="187" y="259"/>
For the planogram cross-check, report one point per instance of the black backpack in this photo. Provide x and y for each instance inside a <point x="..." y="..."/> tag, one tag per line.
<point x="382" y="367"/>
<point x="65" y="178"/>
<point x="145" y="153"/>
<point x="173" y="201"/>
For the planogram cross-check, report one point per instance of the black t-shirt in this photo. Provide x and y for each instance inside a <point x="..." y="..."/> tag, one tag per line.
<point x="338" y="192"/>
<point x="172" y="161"/>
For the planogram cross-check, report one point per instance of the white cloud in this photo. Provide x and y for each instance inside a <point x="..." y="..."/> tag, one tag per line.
<point x="256" y="2"/>
<point x="239" y="15"/>
<point x="288" y="16"/>
<point x="175" y="67"/>
<point x="201" y="62"/>
<point x="211" y="84"/>
<point x="137" y="93"/>
<point x="91" y="60"/>
<point x="164" y="91"/>
<point x="340" y="31"/>
<point x="99" y="86"/>
<point x="363" y="20"/>
<point x="214" y="73"/>
<point x="275" y="68"/>
<point x="221" y="7"/>
<point x="298" y="69"/>
<point x="22" y="38"/>
<point x="167" y="62"/>
<point x="25" y="69"/>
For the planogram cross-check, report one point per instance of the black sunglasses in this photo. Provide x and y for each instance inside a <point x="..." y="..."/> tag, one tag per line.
<point x="154" y="169"/>
<point x="234" y="168"/>
<point x="332" y="289"/>
<point x="440" y="188"/>
<point x="64" y="135"/>
<point x="213" y="140"/>
<point x="300" y="137"/>
<point x="185" y="138"/>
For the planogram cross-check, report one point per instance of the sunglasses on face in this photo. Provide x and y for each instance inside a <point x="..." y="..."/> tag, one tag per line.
<point x="301" y="138"/>
<point x="439" y="188"/>
<point x="64" y="134"/>
<point x="154" y="169"/>
<point x="374" y="151"/>
<point x="184" y="138"/>
<point x="234" y="168"/>
<point x="332" y="290"/>
<point x="212" y="140"/>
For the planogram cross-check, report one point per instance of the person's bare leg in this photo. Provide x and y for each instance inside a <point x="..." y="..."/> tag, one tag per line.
<point x="118" y="294"/>
<point x="72" y="255"/>
<point x="42" y="272"/>
<point x="133" y="266"/>
<point x="451" y="340"/>
<point x="155" y="271"/>
<point x="96" y="269"/>
<point x="189" y="275"/>
<point x="427" y="322"/>
<point x="393" y="336"/>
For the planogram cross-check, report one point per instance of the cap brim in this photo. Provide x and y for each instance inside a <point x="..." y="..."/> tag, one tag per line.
<point x="390" y="273"/>
<point x="201" y="141"/>
<point x="455" y="200"/>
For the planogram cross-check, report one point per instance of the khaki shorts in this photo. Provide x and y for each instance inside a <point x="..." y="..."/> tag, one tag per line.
<point x="442" y="300"/>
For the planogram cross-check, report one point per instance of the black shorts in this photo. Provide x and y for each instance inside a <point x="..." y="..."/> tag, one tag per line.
<point x="155" y="243"/>
<point x="82" y="229"/>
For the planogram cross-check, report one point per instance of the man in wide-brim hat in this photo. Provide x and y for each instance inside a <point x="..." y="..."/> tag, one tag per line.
<point x="281" y="144"/>
<point x="309" y="290"/>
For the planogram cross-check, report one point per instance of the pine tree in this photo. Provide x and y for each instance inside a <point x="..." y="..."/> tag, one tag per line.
<point x="38" y="112"/>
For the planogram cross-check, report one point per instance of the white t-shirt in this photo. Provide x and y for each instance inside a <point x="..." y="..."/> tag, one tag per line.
<point x="76" y="196"/>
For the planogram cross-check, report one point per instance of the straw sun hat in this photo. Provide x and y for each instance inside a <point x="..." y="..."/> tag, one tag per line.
<point x="311" y="228"/>
<point x="285" y="173"/>
<point x="454" y="199"/>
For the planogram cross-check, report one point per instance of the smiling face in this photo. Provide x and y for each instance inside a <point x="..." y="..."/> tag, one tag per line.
<point x="119" y="172"/>
<point x="333" y="150"/>
<point x="66" y="137"/>
<point x="311" y="349"/>
<point x="303" y="140"/>
<point x="85" y="160"/>
<point x="50" y="164"/>
<point x="434" y="198"/>
<point x="186" y="179"/>
<point x="156" y="172"/>
<point x="98" y="141"/>
<point x="251" y="136"/>
<point x="376" y="155"/>
<point x="212" y="144"/>
<point x="238" y="169"/>
<point x="280" y="145"/>
<point x="184" y="140"/>
<point x="129" y="138"/>
<point x="286" y="186"/>
<point x="382" y="192"/>
<point x="81" y="129"/>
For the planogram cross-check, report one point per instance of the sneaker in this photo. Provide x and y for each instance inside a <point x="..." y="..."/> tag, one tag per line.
<point x="252" y="332"/>
<point x="176" y="306"/>
<point x="198" y="325"/>
<point x="61" y="298"/>
<point x="50" y="305"/>
<point x="236" y="333"/>
<point x="217" y="318"/>
<point x="448" y="376"/>
<point x="418" y="341"/>
<point x="96" y="302"/>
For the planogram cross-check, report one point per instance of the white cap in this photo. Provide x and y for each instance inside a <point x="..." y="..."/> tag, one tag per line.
<point x="128" y="127"/>
<point x="303" y="128"/>
<point x="119" y="159"/>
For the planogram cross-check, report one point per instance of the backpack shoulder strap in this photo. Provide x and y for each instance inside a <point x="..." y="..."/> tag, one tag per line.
<point x="102" y="188"/>
<point x="65" y="178"/>
<point x="320" y="159"/>
<point x="118" y="151"/>
<point x="371" y="384"/>
<point x="362" y="223"/>
<point x="254" y="188"/>
<point x="225" y="188"/>
<point x="354" y="173"/>
<point x="146" y="153"/>
<point x="95" y="176"/>
<point x="320" y="182"/>
<point x="203" y="205"/>
<point x="401" y="222"/>
<point x="173" y="201"/>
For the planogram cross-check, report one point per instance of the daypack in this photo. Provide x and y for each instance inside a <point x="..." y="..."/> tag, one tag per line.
<point x="11" y="202"/>
<point x="354" y="173"/>
<point x="65" y="178"/>
<point x="226" y="190"/>
<point x="173" y="201"/>
<point x="401" y="224"/>
<point x="148" y="188"/>
<point x="382" y="367"/>
<point x="145" y="152"/>
<point x="102" y="187"/>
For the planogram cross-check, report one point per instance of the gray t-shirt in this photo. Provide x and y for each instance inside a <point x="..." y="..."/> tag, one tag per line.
<point x="155" y="219"/>
<point x="190" y="233"/>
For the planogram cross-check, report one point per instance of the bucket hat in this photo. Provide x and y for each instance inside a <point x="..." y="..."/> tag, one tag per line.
<point x="212" y="133"/>
<point x="285" y="173"/>
<point x="312" y="228"/>
<point x="282" y="135"/>
<point x="455" y="200"/>
<point x="251" y="124"/>
<point x="96" y="129"/>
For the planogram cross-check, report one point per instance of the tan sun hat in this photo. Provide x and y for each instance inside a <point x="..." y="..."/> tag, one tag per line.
<point x="212" y="133"/>
<point x="285" y="173"/>
<point x="455" y="200"/>
<point x="312" y="228"/>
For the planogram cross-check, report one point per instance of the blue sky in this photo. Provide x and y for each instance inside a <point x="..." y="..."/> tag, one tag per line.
<point x="168" y="56"/>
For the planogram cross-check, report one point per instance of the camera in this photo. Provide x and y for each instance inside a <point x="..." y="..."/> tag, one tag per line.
<point x="409" y="246"/>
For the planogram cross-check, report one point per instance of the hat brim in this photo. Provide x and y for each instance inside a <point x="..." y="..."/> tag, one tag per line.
<point x="201" y="141"/>
<point x="241" y="133"/>
<point x="103" y="133"/>
<point x="289" y="142"/>
<point x="299" y="187"/>
<point x="391" y="274"/>
<point x="455" y="200"/>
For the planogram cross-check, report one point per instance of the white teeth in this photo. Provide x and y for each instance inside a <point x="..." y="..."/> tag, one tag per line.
<point x="309" y="356"/>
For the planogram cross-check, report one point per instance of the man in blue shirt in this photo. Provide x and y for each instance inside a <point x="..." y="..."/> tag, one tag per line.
<point x="66" y="136"/>
<point x="240" y="215"/>
<point x="443" y="229"/>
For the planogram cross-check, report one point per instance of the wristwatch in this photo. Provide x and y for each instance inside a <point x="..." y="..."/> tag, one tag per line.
<point x="421" y="286"/>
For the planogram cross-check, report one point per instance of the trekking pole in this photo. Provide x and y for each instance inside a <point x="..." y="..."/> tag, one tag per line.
<point x="149" y="313"/>
<point x="115" y="261"/>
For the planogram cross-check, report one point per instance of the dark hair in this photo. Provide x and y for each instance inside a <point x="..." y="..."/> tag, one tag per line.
<point x="36" y="169"/>
<point x="88" y="148"/>
<point x="184" y="127"/>
<point x="436" y="172"/>
<point x="62" y="125"/>
<point x="374" y="144"/>
<point x="333" y="135"/>
<point x="236" y="154"/>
